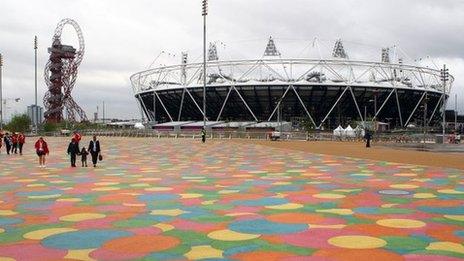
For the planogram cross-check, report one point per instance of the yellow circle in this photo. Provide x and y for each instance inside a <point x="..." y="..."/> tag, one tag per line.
<point x="329" y="195"/>
<point x="455" y="217"/>
<point x="1" y="231"/>
<point x="69" y="200"/>
<point x="357" y="242"/>
<point x="405" y="174"/>
<point x="424" y="195"/>
<point x="285" y="206"/>
<point x="105" y="189"/>
<point x="43" y="233"/>
<point x="35" y="185"/>
<point x="450" y="191"/>
<point x="446" y="246"/>
<point x="25" y="180"/>
<point x="191" y="195"/>
<point x="242" y="176"/>
<point x="400" y="223"/>
<point x="45" y="196"/>
<point x="403" y="186"/>
<point x="81" y="217"/>
<point x="7" y="212"/>
<point x="229" y="235"/>
<point x="106" y="183"/>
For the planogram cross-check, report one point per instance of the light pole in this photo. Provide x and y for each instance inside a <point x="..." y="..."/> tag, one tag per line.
<point x="375" y="112"/>
<point x="36" y="109"/>
<point x="425" y="118"/>
<point x="279" y="116"/>
<point x="365" y="115"/>
<point x="444" y="78"/>
<point x="204" y="14"/>
<point x="456" y="112"/>
<point x="1" y="93"/>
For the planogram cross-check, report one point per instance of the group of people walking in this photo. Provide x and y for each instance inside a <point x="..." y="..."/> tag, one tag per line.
<point x="94" y="150"/>
<point x="13" y="143"/>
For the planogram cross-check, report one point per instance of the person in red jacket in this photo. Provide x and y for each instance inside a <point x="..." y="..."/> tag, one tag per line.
<point x="14" y="139"/>
<point x="77" y="136"/>
<point x="21" y="141"/>
<point x="41" y="148"/>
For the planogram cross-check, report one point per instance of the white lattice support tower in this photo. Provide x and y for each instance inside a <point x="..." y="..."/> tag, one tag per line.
<point x="271" y="49"/>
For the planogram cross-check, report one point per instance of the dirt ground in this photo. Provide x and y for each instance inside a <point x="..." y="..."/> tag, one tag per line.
<point x="377" y="152"/>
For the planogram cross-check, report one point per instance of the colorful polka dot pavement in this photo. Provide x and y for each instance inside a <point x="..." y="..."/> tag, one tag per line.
<point x="177" y="199"/>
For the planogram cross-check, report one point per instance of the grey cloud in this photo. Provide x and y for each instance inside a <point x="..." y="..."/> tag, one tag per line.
<point x="123" y="37"/>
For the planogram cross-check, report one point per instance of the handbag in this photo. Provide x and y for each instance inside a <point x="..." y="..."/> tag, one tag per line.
<point x="100" y="157"/>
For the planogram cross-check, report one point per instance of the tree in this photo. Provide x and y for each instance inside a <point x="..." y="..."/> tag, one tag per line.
<point x="50" y="127"/>
<point x="19" y="123"/>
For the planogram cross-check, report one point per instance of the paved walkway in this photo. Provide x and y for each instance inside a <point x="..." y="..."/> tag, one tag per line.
<point x="178" y="199"/>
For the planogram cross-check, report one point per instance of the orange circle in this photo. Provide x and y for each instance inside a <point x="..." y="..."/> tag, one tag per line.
<point x="358" y="254"/>
<point x="141" y="244"/>
<point x="296" y="218"/>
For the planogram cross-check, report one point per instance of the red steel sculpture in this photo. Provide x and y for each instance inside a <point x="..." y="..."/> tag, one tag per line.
<point x="60" y="76"/>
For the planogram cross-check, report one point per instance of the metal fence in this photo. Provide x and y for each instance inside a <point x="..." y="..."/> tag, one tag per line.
<point x="256" y="135"/>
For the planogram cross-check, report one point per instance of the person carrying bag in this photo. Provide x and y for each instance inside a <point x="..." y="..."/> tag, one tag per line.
<point x="95" y="151"/>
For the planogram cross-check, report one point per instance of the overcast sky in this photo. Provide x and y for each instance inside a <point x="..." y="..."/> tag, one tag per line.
<point x="123" y="37"/>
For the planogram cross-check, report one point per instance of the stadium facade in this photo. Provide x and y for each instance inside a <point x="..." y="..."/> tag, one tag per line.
<point x="325" y="92"/>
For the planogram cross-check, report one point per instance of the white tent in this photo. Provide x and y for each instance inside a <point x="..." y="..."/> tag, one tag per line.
<point x="139" y="125"/>
<point x="349" y="132"/>
<point x="338" y="131"/>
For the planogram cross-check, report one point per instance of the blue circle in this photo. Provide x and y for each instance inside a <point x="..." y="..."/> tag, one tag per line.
<point x="157" y="197"/>
<point x="261" y="202"/>
<point x="261" y="226"/>
<point x="10" y="221"/>
<point x="84" y="239"/>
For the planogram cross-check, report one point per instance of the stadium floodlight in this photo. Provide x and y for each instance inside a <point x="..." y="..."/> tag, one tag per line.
<point x="444" y="78"/>
<point x="212" y="52"/>
<point x="339" y="50"/>
<point x="204" y="14"/>
<point x="36" y="111"/>
<point x="271" y="49"/>
<point x="204" y="8"/>
<point x="385" y="58"/>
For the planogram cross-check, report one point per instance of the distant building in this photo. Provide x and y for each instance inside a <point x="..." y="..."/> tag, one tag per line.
<point x="35" y="113"/>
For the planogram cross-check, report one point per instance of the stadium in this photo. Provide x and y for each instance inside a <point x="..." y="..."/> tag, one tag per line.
<point x="325" y="91"/>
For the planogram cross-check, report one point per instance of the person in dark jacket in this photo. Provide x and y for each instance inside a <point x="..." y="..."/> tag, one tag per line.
<point x="84" y="154"/>
<point x="8" y="143"/>
<point x="368" y="137"/>
<point x="94" y="149"/>
<point x="73" y="150"/>
<point x="203" y="135"/>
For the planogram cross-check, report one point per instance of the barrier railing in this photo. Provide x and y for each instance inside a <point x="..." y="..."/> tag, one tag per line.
<point x="256" y="135"/>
